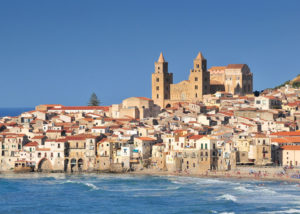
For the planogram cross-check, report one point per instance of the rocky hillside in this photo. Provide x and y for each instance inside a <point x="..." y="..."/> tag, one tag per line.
<point x="294" y="82"/>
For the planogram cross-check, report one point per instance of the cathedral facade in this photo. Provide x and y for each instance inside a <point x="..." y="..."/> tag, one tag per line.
<point x="234" y="78"/>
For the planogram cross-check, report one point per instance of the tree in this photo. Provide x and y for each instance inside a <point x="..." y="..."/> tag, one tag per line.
<point x="94" y="101"/>
<point x="256" y="93"/>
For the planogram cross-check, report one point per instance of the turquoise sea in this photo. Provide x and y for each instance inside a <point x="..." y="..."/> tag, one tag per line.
<point x="116" y="193"/>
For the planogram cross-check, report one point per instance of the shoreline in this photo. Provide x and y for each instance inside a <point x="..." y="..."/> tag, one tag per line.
<point x="228" y="175"/>
<point x="240" y="177"/>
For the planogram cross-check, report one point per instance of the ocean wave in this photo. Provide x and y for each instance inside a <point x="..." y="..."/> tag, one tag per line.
<point x="139" y="189"/>
<point x="243" y="189"/>
<point x="283" y="211"/>
<point x="199" y="181"/>
<point x="92" y="186"/>
<point x="266" y="190"/>
<point x="87" y="184"/>
<point x="227" y="213"/>
<point x="227" y="197"/>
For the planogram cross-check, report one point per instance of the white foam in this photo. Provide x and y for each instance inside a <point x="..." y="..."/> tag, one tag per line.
<point x="227" y="213"/>
<point x="243" y="189"/>
<point x="284" y="211"/>
<point x="266" y="190"/>
<point x="227" y="197"/>
<point x="92" y="186"/>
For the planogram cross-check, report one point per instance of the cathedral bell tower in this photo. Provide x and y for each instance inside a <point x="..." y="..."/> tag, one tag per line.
<point x="161" y="81"/>
<point x="199" y="78"/>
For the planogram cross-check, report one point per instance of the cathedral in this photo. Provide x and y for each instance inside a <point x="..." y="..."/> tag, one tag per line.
<point x="233" y="78"/>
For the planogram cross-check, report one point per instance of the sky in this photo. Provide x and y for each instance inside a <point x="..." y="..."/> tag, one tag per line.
<point x="61" y="51"/>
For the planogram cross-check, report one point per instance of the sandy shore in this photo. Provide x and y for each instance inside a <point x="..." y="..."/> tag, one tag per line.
<point x="260" y="174"/>
<point x="224" y="175"/>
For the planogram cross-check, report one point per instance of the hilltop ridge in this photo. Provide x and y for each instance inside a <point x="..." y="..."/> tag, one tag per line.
<point x="295" y="83"/>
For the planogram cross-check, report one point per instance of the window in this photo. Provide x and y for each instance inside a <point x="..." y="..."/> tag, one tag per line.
<point x="196" y="78"/>
<point x="58" y="145"/>
<point x="157" y="79"/>
<point x="196" y="86"/>
<point x="201" y="146"/>
<point x="76" y="145"/>
<point x="58" y="155"/>
<point x="206" y="146"/>
<point x="158" y="67"/>
<point x="51" y="154"/>
<point x="197" y="66"/>
<point x="196" y="95"/>
<point x="157" y="96"/>
<point x="157" y="88"/>
<point x="39" y="154"/>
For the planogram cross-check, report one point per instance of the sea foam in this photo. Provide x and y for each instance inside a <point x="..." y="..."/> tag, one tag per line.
<point x="227" y="197"/>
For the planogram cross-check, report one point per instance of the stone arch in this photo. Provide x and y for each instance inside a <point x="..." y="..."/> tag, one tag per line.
<point x="66" y="163"/>
<point x="44" y="165"/>
<point x="80" y="164"/>
<point x="73" y="164"/>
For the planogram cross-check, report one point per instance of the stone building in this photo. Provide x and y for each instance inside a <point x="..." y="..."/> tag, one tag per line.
<point x="165" y="93"/>
<point x="233" y="78"/>
<point x="135" y="107"/>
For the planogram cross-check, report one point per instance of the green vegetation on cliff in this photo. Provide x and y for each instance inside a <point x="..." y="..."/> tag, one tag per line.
<point x="295" y="83"/>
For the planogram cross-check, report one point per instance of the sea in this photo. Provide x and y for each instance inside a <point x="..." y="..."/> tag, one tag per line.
<point x="14" y="111"/>
<point x="126" y="193"/>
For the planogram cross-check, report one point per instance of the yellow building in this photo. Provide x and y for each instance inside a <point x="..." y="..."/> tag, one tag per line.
<point x="165" y="93"/>
<point x="234" y="79"/>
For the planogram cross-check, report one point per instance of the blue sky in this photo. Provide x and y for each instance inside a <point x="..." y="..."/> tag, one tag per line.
<point x="60" y="51"/>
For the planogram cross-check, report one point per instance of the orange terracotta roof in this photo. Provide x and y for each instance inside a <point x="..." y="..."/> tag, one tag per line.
<point x="31" y="144"/>
<point x="235" y="66"/>
<point x="294" y="133"/>
<point x="144" y="98"/>
<point x="196" y="137"/>
<point x="39" y="137"/>
<point x="290" y="147"/>
<point x="146" y="138"/>
<point x="287" y="140"/>
<point x="104" y="108"/>
<point x="217" y="68"/>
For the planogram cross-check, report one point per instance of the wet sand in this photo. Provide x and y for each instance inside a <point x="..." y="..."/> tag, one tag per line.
<point x="223" y="174"/>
